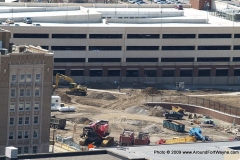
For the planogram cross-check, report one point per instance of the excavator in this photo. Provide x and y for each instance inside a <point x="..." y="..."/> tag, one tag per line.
<point x="75" y="89"/>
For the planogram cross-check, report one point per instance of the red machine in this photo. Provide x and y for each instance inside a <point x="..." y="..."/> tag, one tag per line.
<point x="142" y="139"/>
<point x="126" y="138"/>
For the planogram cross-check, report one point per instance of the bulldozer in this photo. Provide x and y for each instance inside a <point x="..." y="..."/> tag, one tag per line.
<point x="96" y="133"/>
<point x="75" y="89"/>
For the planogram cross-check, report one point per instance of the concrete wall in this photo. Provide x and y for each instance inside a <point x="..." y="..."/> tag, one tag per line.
<point x="157" y="20"/>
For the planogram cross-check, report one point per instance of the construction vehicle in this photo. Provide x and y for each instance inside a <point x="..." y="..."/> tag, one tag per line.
<point x="173" y="115"/>
<point x="57" y="123"/>
<point x="126" y="138"/>
<point x="142" y="139"/>
<point x="75" y="89"/>
<point x="177" y="140"/>
<point x="174" y="125"/>
<point x="96" y="133"/>
<point x="196" y="132"/>
<point x="178" y="109"/>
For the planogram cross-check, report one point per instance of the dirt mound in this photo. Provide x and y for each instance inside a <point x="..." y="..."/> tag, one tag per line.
<point x="82" y="120"/>
<point x="150" y="90"/>
<point x="103" y="95"/>
<point x="136" y="110"/>
<point x="151" y="129"/>
<point x="65" y="98"/>
<point x="157" y="111"/>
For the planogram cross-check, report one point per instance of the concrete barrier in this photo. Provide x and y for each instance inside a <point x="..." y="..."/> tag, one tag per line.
<point x="156" y="20"/>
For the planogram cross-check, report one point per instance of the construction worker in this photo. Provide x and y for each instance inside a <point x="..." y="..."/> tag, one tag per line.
<point x="119" y="89"/>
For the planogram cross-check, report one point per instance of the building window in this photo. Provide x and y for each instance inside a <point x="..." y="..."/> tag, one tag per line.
<point x="19" y="150"/>
<point x="215" y="36"/>
<point x="179" y="36"/>
<point x="20" y="134"/>
<point x="236" y="47"/>
<point x="11" y="123"/>
<point x="28" y="92"/>
<point x="177" y="59"/>
<point x="38" y="77"/>
<point x="14" y="78"/>
<point x="213" y="59"/>
<point x="21" y="106"/>
<point x="29" y="78"/>
<point x="186" y="73"/>
<point x="27" y="120"/>
<point x="27" y="106"/>
<point x="137" y="48"/>
<point x="222" y="72"/>
<point x="214" y="47"/>
<point x="35" y="121"/>
<point x="11" y="135"/>
<point x="143" y="36"/>
<point x="36" y="106"/>
<point x="104" y="59"/>
<point x="105" y="48"/>
<point x="26" y="134"/>
<point x="13" y="93"/>
<point x="37" y="92"/>
<point x="75" y="36"/>
<point x="35" y="149"/>
<point x="77" y="72"/>
<point x="114" y="73"/>
<point x="20" y="120"/>
<point x="21" y="92"/>
<point x="132" y="73"/>
<point x="105" y="36"/>
<point x="178" y="47"/>
<point x="204" y="72"/>
<point x="168" y="73"/>
<point x="150" y="73"/>
<point x="95" y="73"/>
<point x="71" y="48"/>
<point x="25" y="150"/>
<point x="236" y="72"/>
<point x="236" y="59"/>
<point x="65" y="60"/>
<point x="12" y="107"/>
<point x="141" y="59"/>
<point x="22" y="78"/>
<point x="29" y="35"/>
<point x="35" y="134"/>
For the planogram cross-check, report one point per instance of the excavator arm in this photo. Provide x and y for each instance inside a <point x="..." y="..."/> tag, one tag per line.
<point x="61" y="76"/>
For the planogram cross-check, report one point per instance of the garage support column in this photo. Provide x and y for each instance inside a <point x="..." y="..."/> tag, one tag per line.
<point x="68" y="71"/>
<point x="177" y="71"/>
<point x="159" y="71"/>
<point x="104" y="71"/>
<point x="231" y="71"/>
<point x="213" y="71"/>
<point x="86" y="71"/>
<point x="123" y="71"/>
<point x="141" y="72"/>
<point x="195" y="71"/>
<point x="86" y="60"/>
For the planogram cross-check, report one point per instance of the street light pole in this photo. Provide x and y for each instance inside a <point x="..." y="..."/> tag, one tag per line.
<point x="53" y="141"/>
<point x="207" y="6"/>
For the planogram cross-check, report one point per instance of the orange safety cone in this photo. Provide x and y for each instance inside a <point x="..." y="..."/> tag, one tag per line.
<point x="90" y="146"/>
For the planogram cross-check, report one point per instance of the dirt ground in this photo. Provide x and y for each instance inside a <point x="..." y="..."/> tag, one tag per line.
<point x="127" y="111"/>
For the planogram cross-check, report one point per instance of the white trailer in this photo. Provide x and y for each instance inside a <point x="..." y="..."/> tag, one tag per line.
<point x="56" y="103"/>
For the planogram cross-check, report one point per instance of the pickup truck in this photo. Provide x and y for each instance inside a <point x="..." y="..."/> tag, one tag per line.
<point x="173" y="115"/>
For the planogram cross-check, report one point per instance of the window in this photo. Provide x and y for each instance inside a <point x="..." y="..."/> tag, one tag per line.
<point x="105" y="48"/>
<point x="72" y="48"/>
<point x="11" y="135"/>
<point x="95" y="73"/>
<point x="35" y="134"/>
<point x="222" y="72"/>
<point x="179" y="36"/>
<point x="26" y="134"/>
<point x="35" y="149"/>
<point x="21" y="92"/>
<point x="37" y="92"/>
<point x="36" y="105"/>
<point x="150" y="48"/>
<point x="213" y="59"/>
<point x="20" y="120"/>
<point x="20" y="135"/>
<point x="26" y="35"/>
<point x="12" y="107"/>
<point x="236" y="72"/>
<point x="236" y="47"/>
<point x="186" y="73"/>
<point x="11" y="123"/>
<point x="38" y="77"/>
<point x="27" y="119"/>
<point x="29" y="78"/>
<point x="214" y="47"/>
<point x="143" y="36"/>
<point x="177" y="59"/>
<point x="178" y="47"/>
<point x="58" y="71"/>
<point x="215" y="36"/>
<point x="69" y="59"/>
<point x="204" y="72"/>
<point x="45" y="47"/>
<point x="132" y="73"/>
<point x="168" y="73"/>
<point x="21" y="106"/>
<point x="25" y="150"/>
<point x="104" y="59"/>
<point x="236" y="35"/>
<point x="14" y="78"/>
<point x="114" y="73"/>
<point x="141" y="59"/>
<point x="22" y="78"/>
<point x="76" y="36"/>
<point x="150" y="73"/>
<point x="77" y="72"/>
<point x="35" y="120"/>
<point x="236" y="59"/>
<point x="13" y="92"/>
<point x="19" y="150"/>
<point x="28" y="92"/>
<point x="106" y="36"/>
<point x="27" y="106"/>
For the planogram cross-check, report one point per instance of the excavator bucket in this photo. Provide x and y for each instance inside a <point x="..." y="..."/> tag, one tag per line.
<point x="108" y="141"/>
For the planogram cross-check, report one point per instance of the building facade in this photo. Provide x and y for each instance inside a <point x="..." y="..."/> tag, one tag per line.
<point x="126" y="53"/>
<point x="25" y="93"/>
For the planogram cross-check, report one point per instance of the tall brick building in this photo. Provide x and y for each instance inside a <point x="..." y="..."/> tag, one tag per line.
<point x="25" y="93"/>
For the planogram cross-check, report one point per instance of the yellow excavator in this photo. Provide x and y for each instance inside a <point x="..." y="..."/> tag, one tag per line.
<point x="75" y="89"/>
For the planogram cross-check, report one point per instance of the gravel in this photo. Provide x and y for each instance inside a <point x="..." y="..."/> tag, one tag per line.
<point x="151" y="129"/>
<point x="136" y="110"/>
<point x="103" y="95"/>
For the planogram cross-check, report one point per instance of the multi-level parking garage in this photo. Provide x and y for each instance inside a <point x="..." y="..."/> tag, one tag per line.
<point x="155" y="44"/>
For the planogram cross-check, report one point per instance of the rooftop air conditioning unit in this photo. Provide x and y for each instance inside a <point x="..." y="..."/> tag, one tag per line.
<point x="4" y="51"/>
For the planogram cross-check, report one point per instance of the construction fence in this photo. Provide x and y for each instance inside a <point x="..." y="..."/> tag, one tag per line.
<point x="68" y="143"/>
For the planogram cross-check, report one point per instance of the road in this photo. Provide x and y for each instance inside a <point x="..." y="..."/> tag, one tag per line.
<point x="224" y="94"/>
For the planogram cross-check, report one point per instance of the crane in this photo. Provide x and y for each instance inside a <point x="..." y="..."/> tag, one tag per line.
<point x="74" y="88"/>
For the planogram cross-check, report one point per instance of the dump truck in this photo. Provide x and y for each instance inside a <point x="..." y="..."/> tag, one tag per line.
<point x="173" y="115"/>
<point x="142" y="139"/>
<point x="178" y="109"/>
<point x="174" y="125"/>
<point x="126" y="138"/>
<point x="57" y="123"/>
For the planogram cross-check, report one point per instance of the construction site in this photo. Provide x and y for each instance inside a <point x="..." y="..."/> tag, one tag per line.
<point x="131" y="110"/>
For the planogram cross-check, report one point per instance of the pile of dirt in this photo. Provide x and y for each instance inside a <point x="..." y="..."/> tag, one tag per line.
<point x="103" y="95"/>
<point x="150" y="90"/>
<point x="157" y="111"/>
<point x="136" y="110"/>
<point x="82" y="120"/>
<point x="65" y="98"/>
<point x="152" y="129"/>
